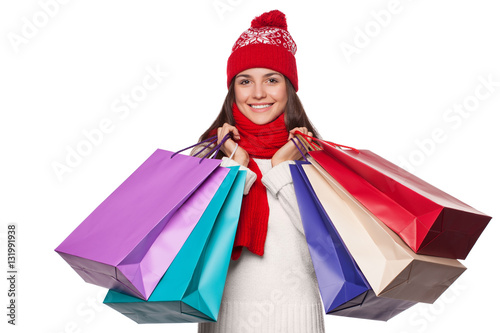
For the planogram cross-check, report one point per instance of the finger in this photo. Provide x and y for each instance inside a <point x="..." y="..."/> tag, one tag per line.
<point x="293" y="132"/>
<point x="224" y="130"/>
<point x="234" y="131"/>
<point x="229" y="144"/>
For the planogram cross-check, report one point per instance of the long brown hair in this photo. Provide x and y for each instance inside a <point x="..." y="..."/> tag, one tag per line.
<point x="295" y="115"/>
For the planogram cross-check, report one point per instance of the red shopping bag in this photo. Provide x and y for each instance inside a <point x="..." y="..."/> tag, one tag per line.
<point x="429" y="220"/>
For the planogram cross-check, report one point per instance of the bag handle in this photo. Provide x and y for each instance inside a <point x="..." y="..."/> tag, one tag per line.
<point x="312" y="139"/>
<point x="212" y="140"/>
<point x="298" y="148"/>
<point x="216" y="148"/>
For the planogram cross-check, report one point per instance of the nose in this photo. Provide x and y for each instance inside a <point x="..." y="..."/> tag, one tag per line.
<point x="259" y="91"/>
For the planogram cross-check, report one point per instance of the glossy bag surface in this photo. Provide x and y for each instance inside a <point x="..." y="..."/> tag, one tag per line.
<point x="130" y="239"/>
<point x="429" y="220"/>
<point x="191" y="289"/>
<point x="391" y="268"/>
<point x="343" y="288"/>
<point x="339" y="278"/>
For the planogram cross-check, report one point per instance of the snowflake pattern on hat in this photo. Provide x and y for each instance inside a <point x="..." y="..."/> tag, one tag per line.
<point x="267" y="35"/>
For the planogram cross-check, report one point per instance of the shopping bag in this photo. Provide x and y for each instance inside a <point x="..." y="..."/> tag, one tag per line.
<point x="343" y="288"/>
<point x="191" y="289"/>
<point x="429" y="220"/>
<point x="391" y="268"/>
<point x="370" y="306"/>
<point x="129" y="240"/>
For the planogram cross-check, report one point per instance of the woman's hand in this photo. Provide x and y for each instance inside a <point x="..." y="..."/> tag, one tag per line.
<point x="241" y="155"/>
<point x="289" y="152"/>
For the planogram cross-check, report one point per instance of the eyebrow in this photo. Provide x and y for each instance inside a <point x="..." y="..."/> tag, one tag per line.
<point x="265" y="75"/>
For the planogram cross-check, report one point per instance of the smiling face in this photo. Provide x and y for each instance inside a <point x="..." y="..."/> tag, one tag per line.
<point x="260" y="94"/>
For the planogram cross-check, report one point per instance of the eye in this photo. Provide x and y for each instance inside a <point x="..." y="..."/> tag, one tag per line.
<point x="273" y="80"/>
<point x="244" y="82"/>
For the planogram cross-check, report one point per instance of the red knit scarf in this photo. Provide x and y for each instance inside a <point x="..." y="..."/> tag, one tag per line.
<point x="260" y="141"/>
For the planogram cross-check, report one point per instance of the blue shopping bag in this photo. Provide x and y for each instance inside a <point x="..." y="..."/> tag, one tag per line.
<point x="191" y="289"/>
<point x="343" y="287"/>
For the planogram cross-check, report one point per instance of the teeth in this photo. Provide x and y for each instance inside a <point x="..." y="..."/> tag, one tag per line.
<point x="260" y="106"/>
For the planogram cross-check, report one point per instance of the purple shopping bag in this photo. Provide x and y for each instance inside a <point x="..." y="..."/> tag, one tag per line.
<point x="130" y="239"/>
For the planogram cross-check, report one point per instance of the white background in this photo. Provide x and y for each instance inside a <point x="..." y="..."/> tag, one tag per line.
<point x="70" y="72"/>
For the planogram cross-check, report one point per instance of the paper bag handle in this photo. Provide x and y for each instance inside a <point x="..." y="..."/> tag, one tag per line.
<point x="312" y="139"/>
<point x="212" y="140"/>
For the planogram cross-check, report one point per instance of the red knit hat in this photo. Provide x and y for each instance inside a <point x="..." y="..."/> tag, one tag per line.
<point x="266" y="44"/>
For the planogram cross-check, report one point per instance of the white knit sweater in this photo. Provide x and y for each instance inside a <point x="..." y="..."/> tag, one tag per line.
<point x="277" y="292"/>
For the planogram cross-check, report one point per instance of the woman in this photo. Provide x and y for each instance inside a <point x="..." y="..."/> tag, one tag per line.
<point x="271" y="285"/>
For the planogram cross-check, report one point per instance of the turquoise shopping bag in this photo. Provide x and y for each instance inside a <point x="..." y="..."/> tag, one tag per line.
<point x="191" y="289"/>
